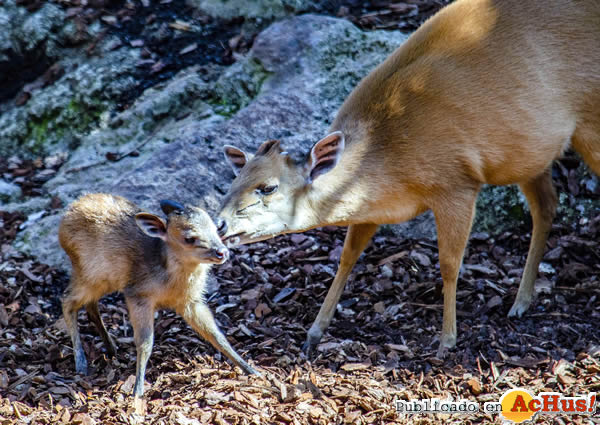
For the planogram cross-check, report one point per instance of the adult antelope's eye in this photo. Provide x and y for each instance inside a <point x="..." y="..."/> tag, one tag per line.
<point x="267" y="190"/>
<point x="190" y="241"/>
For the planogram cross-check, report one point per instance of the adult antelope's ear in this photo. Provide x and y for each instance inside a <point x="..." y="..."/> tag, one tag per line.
<point x="325" y="154"/>
<point x="152" y="225"/>
<point x="237" y="158"/>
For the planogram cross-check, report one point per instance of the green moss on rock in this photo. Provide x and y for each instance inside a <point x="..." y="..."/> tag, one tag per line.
<point x="238" y="85"/>
<point x="500" y="208"/>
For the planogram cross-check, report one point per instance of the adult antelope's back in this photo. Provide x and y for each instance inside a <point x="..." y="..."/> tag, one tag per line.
<point x="486" y="91"/>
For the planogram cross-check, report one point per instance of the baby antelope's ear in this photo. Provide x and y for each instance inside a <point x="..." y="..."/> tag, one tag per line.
<point x="152" y="225"/>
<point x="237" y="158"/>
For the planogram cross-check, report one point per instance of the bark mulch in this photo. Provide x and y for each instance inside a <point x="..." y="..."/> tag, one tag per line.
<point x="380" y="346"/>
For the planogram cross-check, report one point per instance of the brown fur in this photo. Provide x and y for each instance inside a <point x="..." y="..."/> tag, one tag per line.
<point x="110" y="252"/>
<point x="485" y="92"/>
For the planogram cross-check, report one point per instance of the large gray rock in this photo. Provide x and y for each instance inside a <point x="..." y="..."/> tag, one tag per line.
<point x="58" y="116"/>
<point x="29" y="42"/>
<point x="288" y="87"/>
<point x="266" y="9"/>
<point x="58" y="113"/>
<point x="9" y="191"/>
<point x="22" y="32"/>
<point x="41" y="27"/>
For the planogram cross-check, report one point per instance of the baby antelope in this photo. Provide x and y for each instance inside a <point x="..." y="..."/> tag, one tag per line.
<point x="113" y="246"/>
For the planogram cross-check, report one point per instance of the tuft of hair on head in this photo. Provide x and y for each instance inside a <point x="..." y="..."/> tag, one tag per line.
<point x="268" y="147"/>
<point x="171" y="207"/>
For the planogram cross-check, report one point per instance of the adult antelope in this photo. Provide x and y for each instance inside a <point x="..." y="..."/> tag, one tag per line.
<point x="486" y="91"/>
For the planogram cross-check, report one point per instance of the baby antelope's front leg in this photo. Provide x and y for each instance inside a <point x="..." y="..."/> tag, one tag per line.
<point x="200" y="318"/>
<point x="141" y="314"/>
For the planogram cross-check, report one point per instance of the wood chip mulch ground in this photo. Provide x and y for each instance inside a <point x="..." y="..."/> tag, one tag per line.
<point x="380" y="346"/>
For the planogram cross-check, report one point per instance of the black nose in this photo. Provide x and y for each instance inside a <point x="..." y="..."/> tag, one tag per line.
<point x="221" y="226"/>
<point x="221" y="253"/>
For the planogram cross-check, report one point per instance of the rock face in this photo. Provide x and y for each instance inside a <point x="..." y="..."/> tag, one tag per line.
<point x="288" y="87"/>
<point x="9" y="191"/>
<point x="168" y="144"/>
<point x="55" y="117"/>
<point x="28" y="43"/>
<point x="267" y="9"/>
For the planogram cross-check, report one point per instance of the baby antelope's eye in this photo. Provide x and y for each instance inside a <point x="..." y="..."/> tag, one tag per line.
<point x="190" y="240"/>
<point x="268" y="189"/>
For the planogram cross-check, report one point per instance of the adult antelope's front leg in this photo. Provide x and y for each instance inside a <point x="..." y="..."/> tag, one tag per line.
<point x="356" y="240"/>
<point x="454" y="217"/>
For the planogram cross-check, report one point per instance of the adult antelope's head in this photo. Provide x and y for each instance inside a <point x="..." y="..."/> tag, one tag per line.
<point x="271" y="193"/>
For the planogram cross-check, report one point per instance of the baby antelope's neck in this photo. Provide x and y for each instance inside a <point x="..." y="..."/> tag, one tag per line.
<point x="185" y="272"/>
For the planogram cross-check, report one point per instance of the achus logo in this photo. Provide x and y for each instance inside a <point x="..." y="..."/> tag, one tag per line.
<point x="518" y="405"/>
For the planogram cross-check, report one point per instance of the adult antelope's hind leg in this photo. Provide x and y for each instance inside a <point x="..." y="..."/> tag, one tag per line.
<point x="586" y="139"/>
<point x="541" y="197"/>
<point x="454" y="217"/>
<point x="357" y="238"/>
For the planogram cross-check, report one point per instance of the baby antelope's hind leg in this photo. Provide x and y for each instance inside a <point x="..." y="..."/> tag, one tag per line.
<point x="70" y="306"/>
<point x="200" y="318"/>
<point x="541" y="197"/>
<point x="94" y="316"/>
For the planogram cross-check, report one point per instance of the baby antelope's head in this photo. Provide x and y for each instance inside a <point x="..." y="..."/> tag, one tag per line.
<point x="188" y="232"/>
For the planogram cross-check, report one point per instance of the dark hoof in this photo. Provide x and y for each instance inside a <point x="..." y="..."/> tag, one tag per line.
<point x="518" y="309"/>
<point x="112" y="350"/>
<point x="81" y="366"/>
<point x="309" y="349"/>
<point x="444" y="352"/>
<point x="250" y="370"/>
<point x="82" y="370"/>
